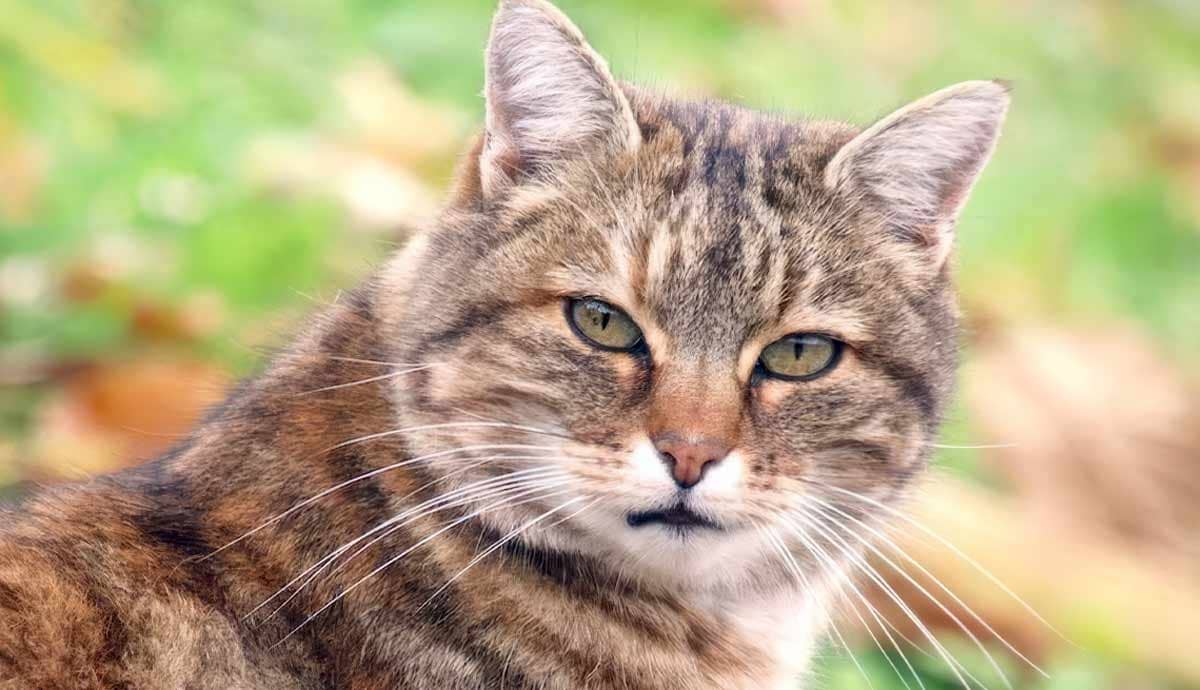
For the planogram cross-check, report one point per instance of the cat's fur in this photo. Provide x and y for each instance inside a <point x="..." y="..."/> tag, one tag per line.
<point x="718" y="230"/>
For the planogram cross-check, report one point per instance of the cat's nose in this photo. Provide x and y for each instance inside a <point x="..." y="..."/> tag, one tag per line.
<point x="688" y="459"/>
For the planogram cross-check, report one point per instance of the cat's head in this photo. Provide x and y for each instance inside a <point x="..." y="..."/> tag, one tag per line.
<point x="691" y="329"/>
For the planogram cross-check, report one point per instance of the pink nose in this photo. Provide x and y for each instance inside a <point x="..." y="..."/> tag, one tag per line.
<point x="688" y="460"/>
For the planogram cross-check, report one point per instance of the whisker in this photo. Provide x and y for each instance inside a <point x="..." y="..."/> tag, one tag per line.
<point x="367" y="475"/>
<point x="865" y="568"/>
<point x="430" y="427"/>
<point x="937" y="602"/>
<point x="903" y="554"/>
<point x="547" y="479"/>
<point x="407" y="551"/>
<point x="802" y="579"/>
<point x="393" y="525"/>
<point x="563" y="519"/>
<point x="476" y="415"/>
<point x="498" y="424"/>
<point x="326" y="560"/>
<point x="301" y="356"/>
<point x="954" y="549"/>
<point x="986" y="446"/>
<point x="372" y="379"/>
<point x="513" y="534"/>
<point x="356" y="360"/>
<point x="816" y="550"/>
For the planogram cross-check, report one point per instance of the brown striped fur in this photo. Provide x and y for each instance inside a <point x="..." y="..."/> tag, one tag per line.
<point x="718" y="230"/>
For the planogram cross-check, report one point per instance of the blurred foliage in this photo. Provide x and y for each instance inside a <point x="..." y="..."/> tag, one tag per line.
<point x="180" y="181"/>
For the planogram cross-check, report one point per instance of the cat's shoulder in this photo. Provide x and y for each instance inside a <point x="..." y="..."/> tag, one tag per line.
<point x="75" y="576"/>
<point x="55" y="630"/>
<point x="89" y="598"/>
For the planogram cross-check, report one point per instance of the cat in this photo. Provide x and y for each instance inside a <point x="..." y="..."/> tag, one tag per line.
<point x="617" y="419"/>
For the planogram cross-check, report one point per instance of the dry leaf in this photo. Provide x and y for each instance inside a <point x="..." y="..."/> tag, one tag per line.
<point x="112" y="415"/>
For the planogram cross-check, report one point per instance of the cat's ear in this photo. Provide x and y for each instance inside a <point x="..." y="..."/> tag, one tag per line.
<point x="917" y="165"/>
<point x="550" y="97"/>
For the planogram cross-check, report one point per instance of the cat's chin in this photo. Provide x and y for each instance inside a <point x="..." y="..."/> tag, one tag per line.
<point x="673" y="546"/>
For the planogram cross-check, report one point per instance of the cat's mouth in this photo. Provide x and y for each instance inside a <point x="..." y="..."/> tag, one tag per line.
<point x="678" y="516"/>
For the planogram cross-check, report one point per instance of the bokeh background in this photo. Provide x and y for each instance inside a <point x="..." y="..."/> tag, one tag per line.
<point x="181" y="181"/>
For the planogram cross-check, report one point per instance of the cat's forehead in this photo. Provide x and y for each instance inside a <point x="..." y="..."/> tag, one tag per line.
<point x="725" y="227"/>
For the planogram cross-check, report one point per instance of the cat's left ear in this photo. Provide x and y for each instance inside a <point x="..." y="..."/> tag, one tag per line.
<point x="917" y="165"/>
<point x="550" y="98"/>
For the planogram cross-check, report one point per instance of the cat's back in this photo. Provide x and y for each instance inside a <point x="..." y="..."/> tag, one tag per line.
<point x="90" y="597"/>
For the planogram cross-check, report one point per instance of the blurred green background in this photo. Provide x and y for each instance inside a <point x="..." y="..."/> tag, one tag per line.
<point x="180" y="182"/>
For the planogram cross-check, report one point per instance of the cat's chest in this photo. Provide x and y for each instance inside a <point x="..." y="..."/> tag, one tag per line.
<point x="784" y="627"/>
<point x="759" y="642"/>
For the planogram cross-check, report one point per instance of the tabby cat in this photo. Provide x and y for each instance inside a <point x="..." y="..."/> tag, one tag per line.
<point x="616" y="419"/>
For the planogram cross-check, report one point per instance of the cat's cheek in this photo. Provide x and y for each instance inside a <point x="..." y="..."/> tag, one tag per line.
<point x="444" y="382"/>
<point x="771" y="394"/>
<point x="630" y="376"/>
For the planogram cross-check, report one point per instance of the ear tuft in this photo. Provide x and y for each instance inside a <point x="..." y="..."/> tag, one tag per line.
<point x="918" y="164"/>
<point x="550" y="97"/>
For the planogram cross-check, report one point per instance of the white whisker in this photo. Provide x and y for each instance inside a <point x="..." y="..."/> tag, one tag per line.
<point x="500" y="489"/>
<point x="381" y="363"/>
<point x="447" y="498"/>
<point x="570" y="516"/>
<point x="936" y="602"/>
<point x="431" y="427"/>
<point x="986" y="446"/>
<point x="954" y="549"/>
<point x="885" y="539"/>
<point x="393" y="525"/>
<point x="798" y="573"/>
<point x="372" y="379"/>
<point x="513" y="534"/>
<point x="816" y="550"/>
<point x="367" y="475"/>
<point x="391" y="561"/>
<point x="865" y="568"/>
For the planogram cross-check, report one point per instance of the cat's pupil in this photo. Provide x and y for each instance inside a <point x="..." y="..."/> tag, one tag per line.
<point x="604" y="317"/>
<point x="797" y="348"/>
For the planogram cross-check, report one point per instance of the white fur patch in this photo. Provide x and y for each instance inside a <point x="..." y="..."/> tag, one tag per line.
<point x="789" y="624"/>
<point x="648" y="468"/>
<point x="723" y="480"/>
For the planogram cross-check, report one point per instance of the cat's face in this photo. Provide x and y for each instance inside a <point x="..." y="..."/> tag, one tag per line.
<point x="690" y="330"/>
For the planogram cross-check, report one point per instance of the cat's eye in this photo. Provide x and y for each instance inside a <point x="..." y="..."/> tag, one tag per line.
<point x="800" y="357"/>
<point x="603" y="325"/>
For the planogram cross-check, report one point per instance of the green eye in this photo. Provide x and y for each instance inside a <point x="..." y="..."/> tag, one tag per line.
<point x="800" y="357"/>
<point x="603" y="325"/>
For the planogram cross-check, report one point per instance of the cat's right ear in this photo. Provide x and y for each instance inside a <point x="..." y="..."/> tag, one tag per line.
<point x="550" y="98"/>
<point x="918" y="165"/>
